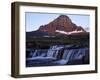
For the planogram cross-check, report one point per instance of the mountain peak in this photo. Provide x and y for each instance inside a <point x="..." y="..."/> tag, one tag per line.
<point x="61" y="23"/>
<point x="64" y="19"/>
<point x="63" y="16"/>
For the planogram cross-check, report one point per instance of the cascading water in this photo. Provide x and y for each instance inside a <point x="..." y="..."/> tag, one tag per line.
<point x="73" y="55"/>
<point x="34" y="53"/>
<point x="68" y="54"/>
<point x="63" y="54"/>
<point x="53" y="51"/>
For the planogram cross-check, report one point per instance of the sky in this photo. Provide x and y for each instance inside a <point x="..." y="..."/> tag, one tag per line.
<point x="34" y="20"/>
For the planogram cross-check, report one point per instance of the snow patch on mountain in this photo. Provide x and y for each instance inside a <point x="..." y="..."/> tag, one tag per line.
<point x="68" y="33"/>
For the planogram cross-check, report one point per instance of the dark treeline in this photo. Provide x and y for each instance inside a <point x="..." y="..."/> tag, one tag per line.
<point x="45" y="42"/>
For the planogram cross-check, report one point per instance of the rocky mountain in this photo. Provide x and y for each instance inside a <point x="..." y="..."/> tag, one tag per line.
<point x="62" y="25"/>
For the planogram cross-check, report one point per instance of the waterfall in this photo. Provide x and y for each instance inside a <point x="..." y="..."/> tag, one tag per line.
<point x="68" y="55"/>
<point x="62" y="54"/>
<point x="39" y="52"/>
<point x="80" y="54"/>
<point x="54" y="51"/>
<point x="34" y="53"/>
<point x="73" y="54"/>
<point x="50" y="53"/>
